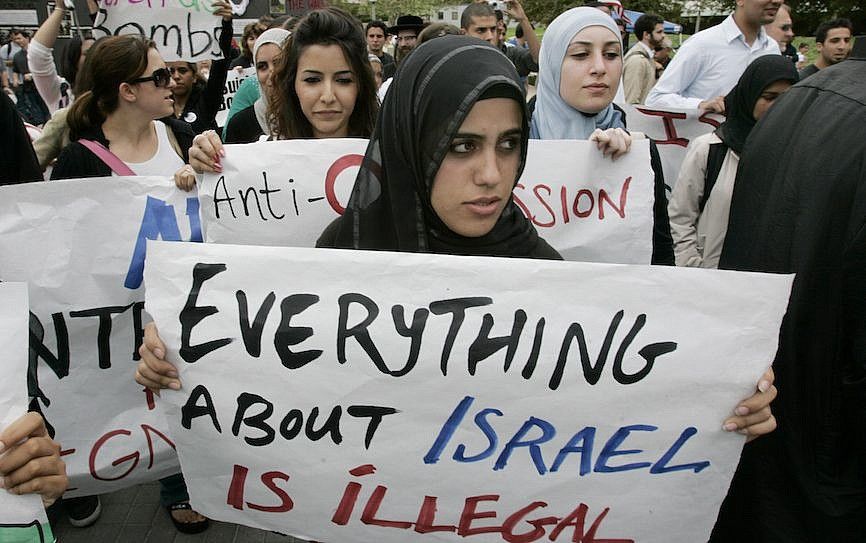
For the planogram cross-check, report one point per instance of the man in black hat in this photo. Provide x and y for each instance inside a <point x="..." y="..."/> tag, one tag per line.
<point x="407" y="29"/>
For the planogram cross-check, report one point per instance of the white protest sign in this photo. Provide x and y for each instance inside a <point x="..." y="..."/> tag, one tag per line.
<point x="233" y="83"/>
<point x="588" y="207"/>
<point x="672" y="131"/>
<point x="182" y="29"/>
<point x="285" y="193"/>
<point x="22" y="518"/>
<point x="81" y="247"/>
<point x="371" y="396"/>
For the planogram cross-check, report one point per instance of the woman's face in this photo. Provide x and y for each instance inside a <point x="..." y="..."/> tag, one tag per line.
<point x="769" y="95"/>
<point x="157" y="102"/>
<point x="265" y="57"/>
<point x="476" y="177"/>
<point x="591" y="69"/>
<point x="327" y="89"/>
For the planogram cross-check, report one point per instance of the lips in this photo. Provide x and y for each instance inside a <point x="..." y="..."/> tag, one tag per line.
<point x="328" y="114"/>
<point x="484" y="206"/>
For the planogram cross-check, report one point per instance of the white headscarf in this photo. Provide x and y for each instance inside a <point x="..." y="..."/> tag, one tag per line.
<point x="275" y="36"/>
<point x="553" y="117"/>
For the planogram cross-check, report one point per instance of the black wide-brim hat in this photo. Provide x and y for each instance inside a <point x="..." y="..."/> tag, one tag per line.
<point x="407" y="22"/>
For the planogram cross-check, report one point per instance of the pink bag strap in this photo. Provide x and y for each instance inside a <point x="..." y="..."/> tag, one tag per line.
<point x="117" y="166"/>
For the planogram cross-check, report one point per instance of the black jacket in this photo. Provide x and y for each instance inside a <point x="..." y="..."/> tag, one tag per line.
<point x="799" y="206"/>
<point x="76" y="161"/>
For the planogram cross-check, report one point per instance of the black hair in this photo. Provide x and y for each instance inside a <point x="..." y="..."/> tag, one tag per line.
<point x="69" y="58"/>
<point x="827" y="26"/>
<point x="646" y="23"/>
<point x="477" y="9"/>
<point x="376" y="24"/>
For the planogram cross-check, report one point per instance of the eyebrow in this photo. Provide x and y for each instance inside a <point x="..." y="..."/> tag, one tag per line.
<point x="318" y="72"/>
<point x="469" y="135"/>
<point x="583" y="42"/>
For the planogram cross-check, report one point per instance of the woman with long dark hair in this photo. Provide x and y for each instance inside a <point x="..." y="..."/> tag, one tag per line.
<point x="322" y="87"/>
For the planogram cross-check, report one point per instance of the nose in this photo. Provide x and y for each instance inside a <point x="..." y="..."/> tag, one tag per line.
<point x="598" y="67"/>
<point x="489" y="35"/>
<point x="327" y="92"/>
<point x="488" y="173"/>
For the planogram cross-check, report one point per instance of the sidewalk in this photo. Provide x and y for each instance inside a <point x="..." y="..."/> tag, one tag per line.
<point x="135" y="516"/>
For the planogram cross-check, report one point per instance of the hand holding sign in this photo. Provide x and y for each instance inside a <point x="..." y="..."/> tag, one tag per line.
<point x="30" y="460"/>
<point x="206" y="151"/>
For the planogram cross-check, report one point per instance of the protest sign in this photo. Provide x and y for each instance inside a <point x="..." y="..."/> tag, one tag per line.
<point x="22" y="518"/>
<point x="233" y="83"/>
<point x="355" y="396"/>
<point x="182" y="29"/>
<point x="285" y="193"/>
<point x="672" y="131"/>
<point x="81" y="247"/>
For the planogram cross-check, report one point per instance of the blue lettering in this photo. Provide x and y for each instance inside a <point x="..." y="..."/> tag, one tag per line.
<point x="547" y="433"/>
<point x="159" y="222"/>
<point x="615" y="441"/>
<point x="448" y="429"/>
<point x="585" y="438"/>
<point x="489" y="433"/>
<point x="662" y="465"/>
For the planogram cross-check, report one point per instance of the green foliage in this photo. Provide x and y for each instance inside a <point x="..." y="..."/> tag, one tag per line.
<point x="389" y="10"/>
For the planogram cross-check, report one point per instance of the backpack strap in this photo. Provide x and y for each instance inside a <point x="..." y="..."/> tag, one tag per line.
<point x="110" y="159"/>
<point x="715" y="159"/>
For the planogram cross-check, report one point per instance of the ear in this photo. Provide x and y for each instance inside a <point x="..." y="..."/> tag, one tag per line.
<point x="127" y="92"/>
<point x="463" y="31"/>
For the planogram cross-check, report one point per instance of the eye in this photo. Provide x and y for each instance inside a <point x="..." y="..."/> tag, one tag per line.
<point x="463" y="147"/>
<point x="580" y="55"/>
<point x="311" y="79"/>
<point x="261" y="66"/>
<point x="346" y="80"/>
<point x="510" y="143"/>
<point x="611" y="55"/>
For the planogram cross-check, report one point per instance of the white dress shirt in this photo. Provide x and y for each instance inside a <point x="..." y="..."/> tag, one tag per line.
<point x="708" y="65"/>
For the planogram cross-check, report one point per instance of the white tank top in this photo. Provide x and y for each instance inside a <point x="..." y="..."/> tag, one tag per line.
<point x="164" y="162"/>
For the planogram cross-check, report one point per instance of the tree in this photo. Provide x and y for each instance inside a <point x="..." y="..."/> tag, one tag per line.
<point x="389" y="10"/>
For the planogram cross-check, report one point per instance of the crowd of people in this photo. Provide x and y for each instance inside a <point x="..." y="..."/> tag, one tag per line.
<point x="777" y="187"/>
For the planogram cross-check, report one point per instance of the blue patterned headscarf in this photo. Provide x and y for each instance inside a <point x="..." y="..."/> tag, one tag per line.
<point x="553" y="117"/>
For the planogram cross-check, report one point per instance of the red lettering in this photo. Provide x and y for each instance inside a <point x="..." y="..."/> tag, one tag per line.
<point x="372" y="507"/>
<point x="520" y="204"/>
<point x="147" y="430"/>
<point x="235" y="496"/>
<point x="563" y="200"/>
<point x="577" y="518"/>
<point x="96" y="448"/>
<point x="512" y="521"/>
<point x="286" y="502"/>
<point x="148" y="396"/>
<point x="707" y="119"/>
<point x="668" y="122"/>
<point x="602" y="196"/>
<point x="347" y="504"/>
<point x="427" y="515"/>
<point x="546" y="206"/>
<point x="342" y="163"/>
<point x="468" y="515"/>
<point x="576" y="207"/>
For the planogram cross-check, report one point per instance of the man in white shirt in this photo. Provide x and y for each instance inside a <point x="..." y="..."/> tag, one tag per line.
<point x="709" y="63"/>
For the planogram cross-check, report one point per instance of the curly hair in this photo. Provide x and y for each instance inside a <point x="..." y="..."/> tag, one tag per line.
<point x="328" y="26"/>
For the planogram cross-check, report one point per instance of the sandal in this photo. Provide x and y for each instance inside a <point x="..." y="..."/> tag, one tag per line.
<point x="186" y="527"/>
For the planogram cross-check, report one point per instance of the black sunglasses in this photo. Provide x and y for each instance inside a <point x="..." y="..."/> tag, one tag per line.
<point x="160" y="77"/>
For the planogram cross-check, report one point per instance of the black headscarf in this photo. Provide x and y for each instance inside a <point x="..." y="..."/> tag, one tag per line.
<point x="431" y="95"/>
<point x="740" y="102"/>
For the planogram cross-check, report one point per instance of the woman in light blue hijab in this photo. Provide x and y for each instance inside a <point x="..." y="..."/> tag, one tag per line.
<point x="580" y="65"/>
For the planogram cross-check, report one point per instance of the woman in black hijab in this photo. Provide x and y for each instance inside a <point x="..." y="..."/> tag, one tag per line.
<point x="701" y="199"/>
<point x="454" y="118"/>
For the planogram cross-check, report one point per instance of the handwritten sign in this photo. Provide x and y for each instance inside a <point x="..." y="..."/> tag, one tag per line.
<point x="285" y="193"/>
<point x="369" y="396"/>
<point x="182" y="29"/>
<point x="22" y="518"/>
<point x="81" y="247"/>
<point x="233" y="83"/>
<point x="672" y="131"/>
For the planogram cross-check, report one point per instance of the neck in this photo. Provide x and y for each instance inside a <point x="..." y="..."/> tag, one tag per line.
<point x="180" y="104"/>
<point x="648" y="44"/>
<point x="750" y="30"/>
<point x="125" y="126"/>
<point x="821" y="63"/>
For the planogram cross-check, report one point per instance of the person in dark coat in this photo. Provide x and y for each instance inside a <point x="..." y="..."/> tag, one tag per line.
<point x="799" y="206"/>
<point x="18" y="163"/>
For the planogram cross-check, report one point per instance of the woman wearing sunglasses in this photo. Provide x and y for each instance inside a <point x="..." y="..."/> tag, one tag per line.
<point x="113" y="126"/>
<point x="114" y="130"/>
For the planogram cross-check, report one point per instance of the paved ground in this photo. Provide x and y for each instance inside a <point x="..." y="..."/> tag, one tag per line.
<point x="134" y="515"/>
